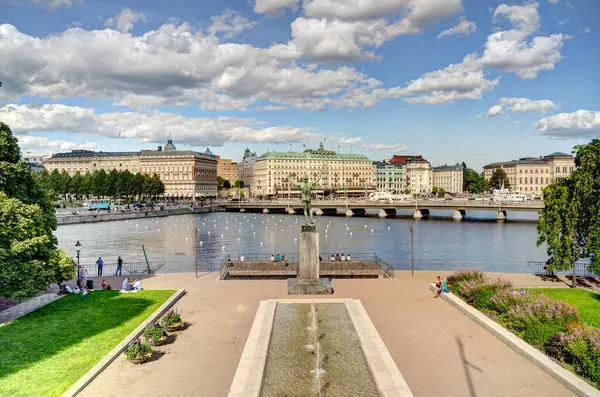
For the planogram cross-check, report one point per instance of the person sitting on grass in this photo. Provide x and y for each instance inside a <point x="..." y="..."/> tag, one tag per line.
<point x="84" y="292"/>
<point x="438" y="287"/>
<point x="76" y="291"/>
<point x="126" y="285"/>
<point x="106" y="286"/>
<point x="137" y="285"/>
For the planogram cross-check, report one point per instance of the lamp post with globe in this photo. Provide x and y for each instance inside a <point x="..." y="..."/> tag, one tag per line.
<point x="78" y="249"/>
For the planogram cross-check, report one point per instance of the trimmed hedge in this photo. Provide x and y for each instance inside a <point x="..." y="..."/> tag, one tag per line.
<point x="553" y="326"/>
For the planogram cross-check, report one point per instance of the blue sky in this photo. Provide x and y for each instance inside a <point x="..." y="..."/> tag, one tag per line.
<point x="474" y="81"/>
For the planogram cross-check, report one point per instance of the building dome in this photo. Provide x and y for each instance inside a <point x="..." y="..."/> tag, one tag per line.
<point x="169" y="146"/>
<point x="208" y="152"/>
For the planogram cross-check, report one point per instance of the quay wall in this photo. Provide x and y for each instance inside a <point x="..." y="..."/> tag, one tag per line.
<point x="119" y="216"/>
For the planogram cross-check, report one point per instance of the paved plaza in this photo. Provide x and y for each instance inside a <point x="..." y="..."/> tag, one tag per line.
<point x="438" y="350"/>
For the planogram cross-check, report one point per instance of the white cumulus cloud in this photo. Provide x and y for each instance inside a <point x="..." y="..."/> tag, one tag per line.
<point x="521" y="105"/>
<point x="515" y="50"/>
<point x="578" y="124"/>
<point x="464" y="28"/>
<point x="125" y="20"/>
<point x="230" y="23"/>
<point x="274" y="6"/>
<point x="43" y="144"/>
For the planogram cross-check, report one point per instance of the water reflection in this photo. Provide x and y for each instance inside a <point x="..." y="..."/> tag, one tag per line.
<point x="438" y="244"/>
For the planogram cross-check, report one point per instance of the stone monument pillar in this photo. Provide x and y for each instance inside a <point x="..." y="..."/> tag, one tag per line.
<point x="308" y="281"/>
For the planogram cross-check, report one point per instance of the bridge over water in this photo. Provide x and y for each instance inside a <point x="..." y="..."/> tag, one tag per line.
<point x="421" y="208"/>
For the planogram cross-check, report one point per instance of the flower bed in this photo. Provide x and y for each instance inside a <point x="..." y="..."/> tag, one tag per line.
<point x="552" y="326"/>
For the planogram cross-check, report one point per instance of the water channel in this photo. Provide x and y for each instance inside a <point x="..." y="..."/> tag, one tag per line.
<point x="439" y="244"/>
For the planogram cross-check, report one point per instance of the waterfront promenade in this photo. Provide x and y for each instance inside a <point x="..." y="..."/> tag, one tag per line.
<point x="91" y="217"/>
<point x="437" y="349"/>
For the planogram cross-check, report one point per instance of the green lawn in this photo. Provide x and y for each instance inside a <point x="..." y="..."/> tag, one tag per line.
<point x="587" y="302"/>
<point x="46" y="351"/>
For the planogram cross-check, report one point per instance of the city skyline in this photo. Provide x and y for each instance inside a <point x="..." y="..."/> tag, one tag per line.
<point x="460" y="81"/>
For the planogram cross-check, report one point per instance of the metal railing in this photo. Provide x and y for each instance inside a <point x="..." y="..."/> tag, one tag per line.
<point x="131" y="268"/>
<point x="581" y="269"/>
<point x="224" y="267"/>
<point x="385" y="267"/>
<point x="292" y="258"/>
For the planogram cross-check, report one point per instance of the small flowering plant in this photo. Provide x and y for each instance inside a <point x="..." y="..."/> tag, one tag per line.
<point x="155" y="333"/>
<point x="138" y="349"/>
<point x="171" y="319"/>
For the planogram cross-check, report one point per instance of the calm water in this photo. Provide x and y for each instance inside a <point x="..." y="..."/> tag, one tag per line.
<point x="438" y="244"/>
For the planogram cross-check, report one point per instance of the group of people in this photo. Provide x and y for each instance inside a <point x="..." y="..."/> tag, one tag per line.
<point x="338" y="257"/>
<point x="100" y="264"/>
<point x="277" y="258"/>
<point x="66" y="289"/>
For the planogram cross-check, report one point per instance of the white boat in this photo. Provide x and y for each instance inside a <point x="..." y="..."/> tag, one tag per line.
<point x="400" y="197"/>
<point x="505" y="195"/>
<point x="380" y="196"/>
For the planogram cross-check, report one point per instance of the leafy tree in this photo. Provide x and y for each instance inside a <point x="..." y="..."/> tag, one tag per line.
<point x="54" y="183"/>
<point x="220" y="182"/>
<point x="63" y="184"/>
<point x="87" y="185"/>
<point x="226" y="184"/>
<point x="27" y="221"/>
<point x="238" y="184"/>
<point x="99" y="183"/>
<point x="498" y="179"/>
<point x="75" y="185"/>
<point x="473" y="182"/>
<point x="110" y="183"/>
<point x="63" y="266"/>
<point x="569" y="224"/>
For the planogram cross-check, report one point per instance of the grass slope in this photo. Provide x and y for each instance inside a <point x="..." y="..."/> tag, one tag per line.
<point x="587" y="302"/>
<point x="46" y="351"/>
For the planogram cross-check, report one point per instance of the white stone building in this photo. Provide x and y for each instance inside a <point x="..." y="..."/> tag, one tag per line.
<point x="277" y="172"/>
<point x="532" y="174"/>
<point x="449" y="178"/>
<point x="246" y="170"/>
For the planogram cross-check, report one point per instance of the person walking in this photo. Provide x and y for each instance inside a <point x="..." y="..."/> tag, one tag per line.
<point x="100" y="263"/>
<point x="119" y="267"/>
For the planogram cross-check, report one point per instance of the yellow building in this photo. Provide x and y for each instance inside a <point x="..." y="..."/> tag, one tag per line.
<point x="227" y="169"/>
<point x="277" y="172"/>
<point x="532" y="174"/>
<point x="185" y="173"/>
<point x="449" y="178"/>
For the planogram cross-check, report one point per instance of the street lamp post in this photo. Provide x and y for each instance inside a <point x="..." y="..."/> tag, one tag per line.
<point x="78" y="249"/>
<point x="412" y="252"/>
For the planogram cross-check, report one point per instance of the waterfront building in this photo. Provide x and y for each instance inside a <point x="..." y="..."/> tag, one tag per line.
<point x="277" y="172"/>
<point x="449" y="178"/>
<point x="35" y="161"/>
<point x="417" y="171"/>
<point x="185" y="173"/>
<point x="533" y="174"/>
<point x="388" y="177"/>
<point x="246" y="169"/>
<point x="227" y="169"/>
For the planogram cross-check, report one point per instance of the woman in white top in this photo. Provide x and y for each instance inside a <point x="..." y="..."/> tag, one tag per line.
<point x="348" y="258"/>
<point x="342" y="258"/>
<point x="332" y="257"/>
<point x="125" y="284"/>
<point x="85" y="274"/>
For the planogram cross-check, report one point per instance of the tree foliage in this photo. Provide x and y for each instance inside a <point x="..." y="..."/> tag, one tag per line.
<point x="498" y="179"/>
<point x="569" y="224"/>
<point x="101" y="184"/>
<point x="238" y="184"/>
<point x="27" y="222"/>
<point x="223" y="183"/>
<point x="472" y="181"/>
